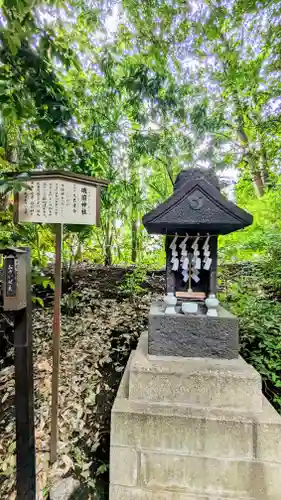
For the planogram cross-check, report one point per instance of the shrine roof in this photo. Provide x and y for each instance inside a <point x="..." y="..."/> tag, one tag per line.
<point x="196" y="206"/>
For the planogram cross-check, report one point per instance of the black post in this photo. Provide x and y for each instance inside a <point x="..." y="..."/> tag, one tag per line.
<point x="170" y="276"/>
<point x="25" y="441"/>
<point x="214" y="265"/>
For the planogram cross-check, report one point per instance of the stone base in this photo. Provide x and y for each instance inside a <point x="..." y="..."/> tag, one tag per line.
<point x="205" y="382"/>
<point x="168" y="444"/>
<point x="192" y="335"/>
<point x="124" y="493"/>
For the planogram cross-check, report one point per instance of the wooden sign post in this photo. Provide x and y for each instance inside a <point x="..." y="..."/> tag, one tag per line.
<point x="58" y="197"/>
<point x="17" y="298"/>
<point x="56" y="345"/>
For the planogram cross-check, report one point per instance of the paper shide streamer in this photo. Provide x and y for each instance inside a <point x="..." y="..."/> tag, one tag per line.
<point x="195" y="260"/>
<point x="175" y="258"/>
<point x="189" y="261"/>
<point x="184" y="258"/>
<point x="206" y="253"/>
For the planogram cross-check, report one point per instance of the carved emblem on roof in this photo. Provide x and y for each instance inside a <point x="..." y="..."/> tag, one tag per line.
<point x="196" y="206"/>
<point x="196" y="200"/>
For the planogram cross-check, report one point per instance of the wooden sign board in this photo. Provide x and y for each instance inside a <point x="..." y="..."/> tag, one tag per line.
<point x="58" y="201"/>
<point x="57" y="197"/>
<point x="191" y="295"/>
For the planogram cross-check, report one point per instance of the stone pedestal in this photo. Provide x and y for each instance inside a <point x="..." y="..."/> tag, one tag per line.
<point x="193" y="429"/>
<point x="192" y="335"/>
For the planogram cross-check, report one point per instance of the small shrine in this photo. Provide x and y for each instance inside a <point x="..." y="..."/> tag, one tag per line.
<point x="192" y="219"/>
<point x="190" y="420"/>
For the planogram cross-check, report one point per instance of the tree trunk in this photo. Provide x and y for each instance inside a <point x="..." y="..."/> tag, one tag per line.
<point x="108" y="242"/>
<point x="245" y="143"/>
<point x="256" y="176"/>
<point x="258" y="184"/>
<point x="134" y="233"/>
<point x="108" y="256"/>
<point x="264" y="166"/>
<point x="254" y="168"/>
<point x="11" y="155"/>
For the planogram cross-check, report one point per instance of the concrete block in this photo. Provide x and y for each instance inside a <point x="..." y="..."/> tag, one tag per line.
<point x="220" y="436"/>
<point x="205" y="475"/>
<point x="123" y="493"/>
<point x="201" y="389"/>
<point x="124" y="465"/>
<point x="267" y="429"/>
<point x="194" y="381"/>
<point x="192" y="335"/>
<point x="213" y="432"/>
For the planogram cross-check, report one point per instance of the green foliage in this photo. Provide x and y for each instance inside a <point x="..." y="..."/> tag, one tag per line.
<point x="41" y="283"/>
<point x="260" y="241"/>
<point x="260" y="338"/>
<point x="13" y="185"/>
<point x="137" y="106"/>
<point x="131" y="108"/>
<point x="133" y="281"/>
<point x="70" y="303"/>
<point x="28" y="81"/>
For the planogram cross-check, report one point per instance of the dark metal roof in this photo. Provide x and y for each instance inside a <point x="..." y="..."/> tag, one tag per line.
<point x="196" y="206"/>
<point x="12" y="250"/>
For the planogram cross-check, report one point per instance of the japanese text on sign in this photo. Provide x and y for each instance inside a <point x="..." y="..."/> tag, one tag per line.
<point x="11" y="276"/>
<point x="58" y="201"/>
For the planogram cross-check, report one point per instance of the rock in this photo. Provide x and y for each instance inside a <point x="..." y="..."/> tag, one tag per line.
<point x="64" y="489"/>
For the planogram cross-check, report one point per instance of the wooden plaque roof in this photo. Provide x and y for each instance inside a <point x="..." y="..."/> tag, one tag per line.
<point x="59" y="174"/>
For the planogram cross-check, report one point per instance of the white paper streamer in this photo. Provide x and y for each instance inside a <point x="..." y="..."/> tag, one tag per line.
<point x="198" y="263"/>
<point x="183" y="255"/>
<point x="195" y="278"/>
<point x="207" y="264"/>
<point x="206" y="243"/>
<point x="206" y="254"/>
<point x="185" y="264"/>
<point x="183" y="243"/>
<point x="173" y="245"/>
<point x="185" y="276"/>
<point x="174" y="259"/>
<point x="174" y="255"/>
<point x="176" y="265"/>
<point x="195" y="244"/>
